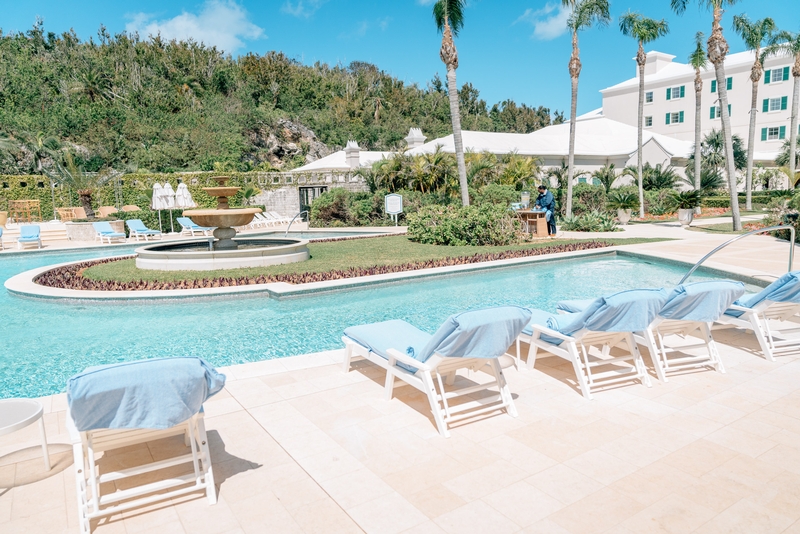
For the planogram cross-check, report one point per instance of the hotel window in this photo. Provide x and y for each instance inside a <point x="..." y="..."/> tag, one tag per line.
<point x="728" y="84"/>
<point x="676" y="92"/>
<point x="648" y="122"/>
<point x="776" y="75"/>
<point x="674" y="118"/>
<point x="773" y="133"/>
<point x="775" y="104"/>
<point x="715" y="112"/>
<point x="648" y="97"/>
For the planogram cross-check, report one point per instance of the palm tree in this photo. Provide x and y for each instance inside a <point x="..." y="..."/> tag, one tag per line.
<point x="698" y="60"/>
<point x="606" y="176"/>
<point x="754" y="34"/>
<point x="784" y="156"/>
<point x="788" y="44"/>
<point x="644" y="30"/>
<point x="449" y="17"/>
<point x="717" y="48"/>
<point x="584" y="14"/>
<point x="83" y="183"/>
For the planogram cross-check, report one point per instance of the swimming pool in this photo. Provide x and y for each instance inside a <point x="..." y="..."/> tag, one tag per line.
<point x="45" y="342"/>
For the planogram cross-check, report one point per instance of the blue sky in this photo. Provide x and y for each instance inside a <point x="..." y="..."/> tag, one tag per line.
<point x="508" y="48"/>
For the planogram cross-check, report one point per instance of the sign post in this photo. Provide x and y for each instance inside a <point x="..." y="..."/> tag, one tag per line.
<point x="393" y="205"/>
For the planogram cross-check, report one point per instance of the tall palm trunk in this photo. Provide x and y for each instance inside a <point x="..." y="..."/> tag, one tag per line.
<point x="574" y="73"/>
<point x="755" y="77"/>
<point x="717" y="49"/>
<point x="641" y="58"/>
<point x="85" y="198"/>
<point x="793" y="127"/>
<point x="698" y="132"/>
<point x="449" y="56"/>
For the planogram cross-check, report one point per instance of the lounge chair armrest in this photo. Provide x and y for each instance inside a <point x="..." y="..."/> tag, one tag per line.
<point x="552" y="333"/>
<point x="740" y="308"/>
<point x="395" y="354"/>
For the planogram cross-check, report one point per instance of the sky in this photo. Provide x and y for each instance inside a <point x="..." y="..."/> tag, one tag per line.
<point x="515" y="49"/>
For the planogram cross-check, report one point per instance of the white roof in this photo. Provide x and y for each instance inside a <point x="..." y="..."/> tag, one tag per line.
<point x="338" y="161"/>
<point x="595" y="136"/>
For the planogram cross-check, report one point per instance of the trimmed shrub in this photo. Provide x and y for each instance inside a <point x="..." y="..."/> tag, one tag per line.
<point x="499" y="194"/>
<point x="468" y="225"/>
<point x="593" y="221"/>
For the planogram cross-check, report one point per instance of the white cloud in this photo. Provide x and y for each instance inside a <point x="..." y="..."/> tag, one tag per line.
<point x="364" y="26"/>
<point x="548" y="22"/>
<point x="220" y="23"/>
<point x="302" y="8"/>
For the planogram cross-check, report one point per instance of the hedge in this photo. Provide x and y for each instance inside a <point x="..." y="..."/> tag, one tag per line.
<point x="725" y="202"/>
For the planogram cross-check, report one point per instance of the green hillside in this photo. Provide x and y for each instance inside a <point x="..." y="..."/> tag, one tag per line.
<point x="123" y="102"/>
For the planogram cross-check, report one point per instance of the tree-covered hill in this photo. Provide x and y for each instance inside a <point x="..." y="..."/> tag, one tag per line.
<point x="130" y="103"/>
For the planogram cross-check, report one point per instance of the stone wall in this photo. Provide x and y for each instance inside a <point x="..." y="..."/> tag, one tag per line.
<point x="281" y="191"/>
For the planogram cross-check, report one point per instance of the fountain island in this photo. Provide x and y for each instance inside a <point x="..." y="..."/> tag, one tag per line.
<point x="225" y="252"/>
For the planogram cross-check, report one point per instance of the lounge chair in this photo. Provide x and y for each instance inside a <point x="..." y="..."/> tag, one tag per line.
<point x="131" y="207"/>
<point x="607" y="322"/>
<point x="2" y="246"/>
<point x="689" y="311"/>
<point x="188" y="226"/>
<point x="122" y="405"/>
<point x="280" y="219"/>
<point x="263" y="220"/>
<point x="103" y="230"/>
<point x="137" y="228"/>
<point x="467" y="340"/>
<point x="105" y="211"/>
<point x="80" y="213"/>
<point x="31" y="233"/>
<point x="773" y="314"/>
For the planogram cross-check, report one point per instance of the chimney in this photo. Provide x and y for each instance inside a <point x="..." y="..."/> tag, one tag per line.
<point x="415" y="138"/>
<point x="351" y="152"/>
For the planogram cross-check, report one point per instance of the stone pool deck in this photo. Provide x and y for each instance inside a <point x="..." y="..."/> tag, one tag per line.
<point x="299" y="446"/>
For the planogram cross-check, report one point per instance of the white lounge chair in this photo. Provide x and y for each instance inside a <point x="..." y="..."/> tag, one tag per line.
<point x="279" y="218"/>
<point x="29" y="234"/>
<point x="188" y="226"/>
<point x="470" y="340"/>
<point x="117" y="406"/>
<point x="264" y="221"/>
<point x="606" y="323"/>
<point x="138" y="229"/>
<point x="103" y="230"/>
<point x="688" y="312"/>
<point x="773" y="315"/>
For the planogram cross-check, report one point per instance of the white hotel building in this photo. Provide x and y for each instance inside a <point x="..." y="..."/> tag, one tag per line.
<point x="669" y="107"/>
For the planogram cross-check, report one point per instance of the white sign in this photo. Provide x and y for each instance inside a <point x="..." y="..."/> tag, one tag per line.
<point x="394" y="204"/>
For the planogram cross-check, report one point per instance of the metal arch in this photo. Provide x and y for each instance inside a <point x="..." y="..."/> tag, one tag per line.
<point x="737" y="238"/>
<point x="306" y="212"/>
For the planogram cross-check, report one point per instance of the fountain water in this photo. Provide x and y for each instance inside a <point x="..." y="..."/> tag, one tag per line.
<point x="223" y="217"/>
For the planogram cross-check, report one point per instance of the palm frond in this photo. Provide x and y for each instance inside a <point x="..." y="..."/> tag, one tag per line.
<point x="452" y="11"/>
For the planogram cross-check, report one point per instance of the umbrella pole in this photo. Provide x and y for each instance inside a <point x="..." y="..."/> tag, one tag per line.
<point x="171" y="224"/>
<point x="160" y="229"/>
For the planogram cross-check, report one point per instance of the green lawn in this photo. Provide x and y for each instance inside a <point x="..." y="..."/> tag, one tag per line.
<point x="722" y="228"/>
<point x="330" y="256"/>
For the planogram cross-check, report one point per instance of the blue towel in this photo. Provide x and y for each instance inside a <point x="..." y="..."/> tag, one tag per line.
<point x="394" y="334"/>
<point x="701" y="301"/>
<point x="158" y="393"/>
<point x="784" y="289"/>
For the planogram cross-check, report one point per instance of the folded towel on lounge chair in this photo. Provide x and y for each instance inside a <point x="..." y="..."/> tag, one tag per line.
<point x="158" y="393"/>
<point x="784" y="289"/>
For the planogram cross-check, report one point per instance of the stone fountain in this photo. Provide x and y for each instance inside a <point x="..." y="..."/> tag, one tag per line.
<point x="223" y="217"/>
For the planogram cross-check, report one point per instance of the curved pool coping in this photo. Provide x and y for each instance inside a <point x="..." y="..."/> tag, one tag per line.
<point x="23" y="284"/>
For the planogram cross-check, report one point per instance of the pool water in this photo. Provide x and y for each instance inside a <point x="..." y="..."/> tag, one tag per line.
<point x="45" y="342"/>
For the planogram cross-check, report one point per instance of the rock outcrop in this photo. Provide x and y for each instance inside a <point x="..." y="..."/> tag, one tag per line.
<point x="284" y="142"/>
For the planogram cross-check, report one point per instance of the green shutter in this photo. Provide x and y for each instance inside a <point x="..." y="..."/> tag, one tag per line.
<point x="785" y="73"/>
<point x="784" y="102"/>
<point x="729" y="83"/>
<point x="713" y="112"/>
<point x="767" y="76"/>
<point x="729" y="110"/>
<point x="683" y="91"/>
<point x="669" y="94"/>
<point x="667" y="118"/>
<point x="680" y="117"/>
<point x="713" y="86"/>
<point x="763" y="134"/>
<point x="766" y="105"/>
<point x="782" y="133"/>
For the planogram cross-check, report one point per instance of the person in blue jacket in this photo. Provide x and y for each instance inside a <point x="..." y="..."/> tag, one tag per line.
<point x="546" y="202"/>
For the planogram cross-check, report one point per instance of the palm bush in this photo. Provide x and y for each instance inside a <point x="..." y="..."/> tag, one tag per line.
<point x="622" y="200"/>
<point x="686" y="200"/>
<point x="592" y="221"/>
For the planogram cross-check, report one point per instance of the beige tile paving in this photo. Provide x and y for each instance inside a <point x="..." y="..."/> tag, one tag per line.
<point x="299" y="446"/>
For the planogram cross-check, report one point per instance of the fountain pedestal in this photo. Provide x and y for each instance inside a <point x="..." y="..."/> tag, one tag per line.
<point x="223" y="217"/>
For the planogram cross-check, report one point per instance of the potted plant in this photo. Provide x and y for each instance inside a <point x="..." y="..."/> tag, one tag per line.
<point x="686" y="202"/>
<point x="624" y="202"/>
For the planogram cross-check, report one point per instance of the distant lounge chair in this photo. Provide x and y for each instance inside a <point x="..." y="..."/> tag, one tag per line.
<point x="103" y="230"/>
<point x="80" y="213"/>
<point x="131" y="207"/>
<point x="470" y="340"/>
<point x="123" y="405"/>
<point x="29" y="234"/>
<point x="261" y="220"/>
<point x="688" y="312"/>
<point x="2" y="246"/>
<point x="188" y="226"/>
<point x="279" y="218"/>
<point x="105" y="211"/>
<point x="137" y="228"/>
<point x="773" y="314"/>
<point x="607" y="322"/>
<point x="66" y="214"/>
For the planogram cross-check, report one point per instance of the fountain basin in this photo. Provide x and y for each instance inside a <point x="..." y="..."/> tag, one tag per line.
<point x="222" y="218"/>
<point x="196" y="255"/>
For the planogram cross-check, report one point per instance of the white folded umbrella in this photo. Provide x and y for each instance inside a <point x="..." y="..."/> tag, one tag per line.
<point x="168" y="197"/>
<point x="183" y="198"/>
<point x="156" y="202"/>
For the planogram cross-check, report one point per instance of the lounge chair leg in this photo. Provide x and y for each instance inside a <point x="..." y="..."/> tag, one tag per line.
<point x="638" y="361"/>
<point x="505" y="393"/>
<point x="348" y="354"/>
<point x="388" y="389"/>
<point x="576" y="365"/>
<point x="80" y="487"/>
<point x="208" y="473"/>
<point x="758" y="330"/>
<point x="655" y="355"/>
<point x="44" y="444"/>
<point x="451" y="378"/>
<point x="711" y="345"/>
<point x="434" y="402"/>
<point x="532" y="350"/>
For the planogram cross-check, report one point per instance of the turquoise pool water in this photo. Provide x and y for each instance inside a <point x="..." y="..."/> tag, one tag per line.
<point x="43" y="342"/>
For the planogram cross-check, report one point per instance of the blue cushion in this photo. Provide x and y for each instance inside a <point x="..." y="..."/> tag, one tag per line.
<point x="701" y="301"/>
<point x="784" y="289"/>
<point x="29" y="233"/>
<point x="571" y="306"/>
<point x="543" y="318"/>
<point x="394" y="334"/>
<point x="157" y="393"/>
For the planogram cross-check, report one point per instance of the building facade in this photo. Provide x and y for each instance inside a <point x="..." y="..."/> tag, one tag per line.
<point x="669" y="107"/>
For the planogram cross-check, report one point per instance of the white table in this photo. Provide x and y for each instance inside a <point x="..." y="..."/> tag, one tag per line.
<point x="16" y="414"/>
